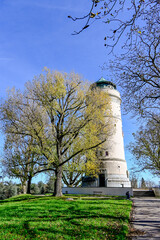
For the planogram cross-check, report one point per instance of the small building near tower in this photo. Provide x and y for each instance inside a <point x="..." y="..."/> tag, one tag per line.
<point x="113" y="177"/>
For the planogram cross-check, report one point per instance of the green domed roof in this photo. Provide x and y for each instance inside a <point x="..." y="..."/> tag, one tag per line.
<point x="102" y="82"/>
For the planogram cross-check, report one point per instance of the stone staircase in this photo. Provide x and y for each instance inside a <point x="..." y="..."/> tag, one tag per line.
<point x="143" y="193"/>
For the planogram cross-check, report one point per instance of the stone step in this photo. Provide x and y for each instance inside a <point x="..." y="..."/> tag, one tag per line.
<point x="143" y="193"/>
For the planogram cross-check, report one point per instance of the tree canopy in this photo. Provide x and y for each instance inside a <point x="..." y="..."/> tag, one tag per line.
<point x="64" y="117"/>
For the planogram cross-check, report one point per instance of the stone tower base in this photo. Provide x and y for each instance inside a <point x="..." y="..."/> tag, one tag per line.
<point x="112" y="181"/>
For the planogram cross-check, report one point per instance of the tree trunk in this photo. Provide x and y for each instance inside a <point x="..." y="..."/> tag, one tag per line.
<point x="24" y="187"/>
<point x="29" y="185"/>
<point x="58" y="182"/>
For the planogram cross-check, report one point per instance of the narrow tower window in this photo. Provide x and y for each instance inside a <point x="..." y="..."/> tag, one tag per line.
<point x="107" y="153"/>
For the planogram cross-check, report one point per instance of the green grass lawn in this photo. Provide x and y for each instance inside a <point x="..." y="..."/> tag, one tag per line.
<point x="33" y="217"/>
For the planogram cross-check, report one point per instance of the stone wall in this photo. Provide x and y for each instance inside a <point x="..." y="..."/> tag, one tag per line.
<point x="115" y="191"/>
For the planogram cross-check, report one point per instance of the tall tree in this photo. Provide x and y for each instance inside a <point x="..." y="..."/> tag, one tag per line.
<point x="146" y="147"/>
<point x="63" y="116"/>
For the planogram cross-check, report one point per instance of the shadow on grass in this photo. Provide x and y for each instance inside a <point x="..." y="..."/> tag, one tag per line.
<point x="25" y="197"/>
<point x="82" y="215"/>
<point x="31" y="233"/>
<point x="76" y="231"/>
<point x="77" y="219"/>
<point x="108" y="232"/>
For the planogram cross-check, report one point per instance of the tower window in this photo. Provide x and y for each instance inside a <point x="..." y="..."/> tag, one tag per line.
<point x="107" y="153"/>
<point x="127" y="174"/>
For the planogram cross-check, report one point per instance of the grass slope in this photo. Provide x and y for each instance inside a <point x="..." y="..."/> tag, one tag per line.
<point x="31" y="217"/>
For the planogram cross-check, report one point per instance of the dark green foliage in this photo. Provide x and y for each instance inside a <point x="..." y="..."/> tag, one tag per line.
<point x="50" y="185"/>
<point x="7" y="190"/>
<point x="35" y="217"/>
<point x="35" y="189"/>
<point x="41" y="187"/>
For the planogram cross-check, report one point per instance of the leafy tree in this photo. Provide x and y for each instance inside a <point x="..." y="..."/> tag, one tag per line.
<point x="63" y="116"/>
<point x="41" y="187"/>
<point x="21" y="161"/>
<point x="146" y="147"/>
<point x="7" y="190"/>
<point x="121" y="18"/>
<point x="72" y="179"/>
<point x="73" y="172"/>
<point x="50" y="184"/>
<point x="20" y="188"/>
<point x="34" y="188"/>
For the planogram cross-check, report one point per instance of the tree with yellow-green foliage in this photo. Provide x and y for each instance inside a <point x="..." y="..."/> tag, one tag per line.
<point x="63" y="115"/>
<point x="75" y="169"/>
<point x="20" y="161"/>
<point x="73" y="172"/>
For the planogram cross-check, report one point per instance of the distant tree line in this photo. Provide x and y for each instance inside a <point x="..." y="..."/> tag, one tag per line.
<point x="9" y="189"/>
<point x="137" y="182"/>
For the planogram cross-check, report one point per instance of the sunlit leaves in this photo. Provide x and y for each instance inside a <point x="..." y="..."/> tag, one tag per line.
<point x="63" y="116"/>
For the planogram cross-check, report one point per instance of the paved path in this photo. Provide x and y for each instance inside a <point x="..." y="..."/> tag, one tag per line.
<point x="146" y="218"/>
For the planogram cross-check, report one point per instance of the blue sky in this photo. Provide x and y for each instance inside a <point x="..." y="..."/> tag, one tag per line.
<point x="37" y="33"/>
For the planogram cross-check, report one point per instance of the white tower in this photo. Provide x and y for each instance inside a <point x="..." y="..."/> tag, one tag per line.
<point x="113" y="172"/>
